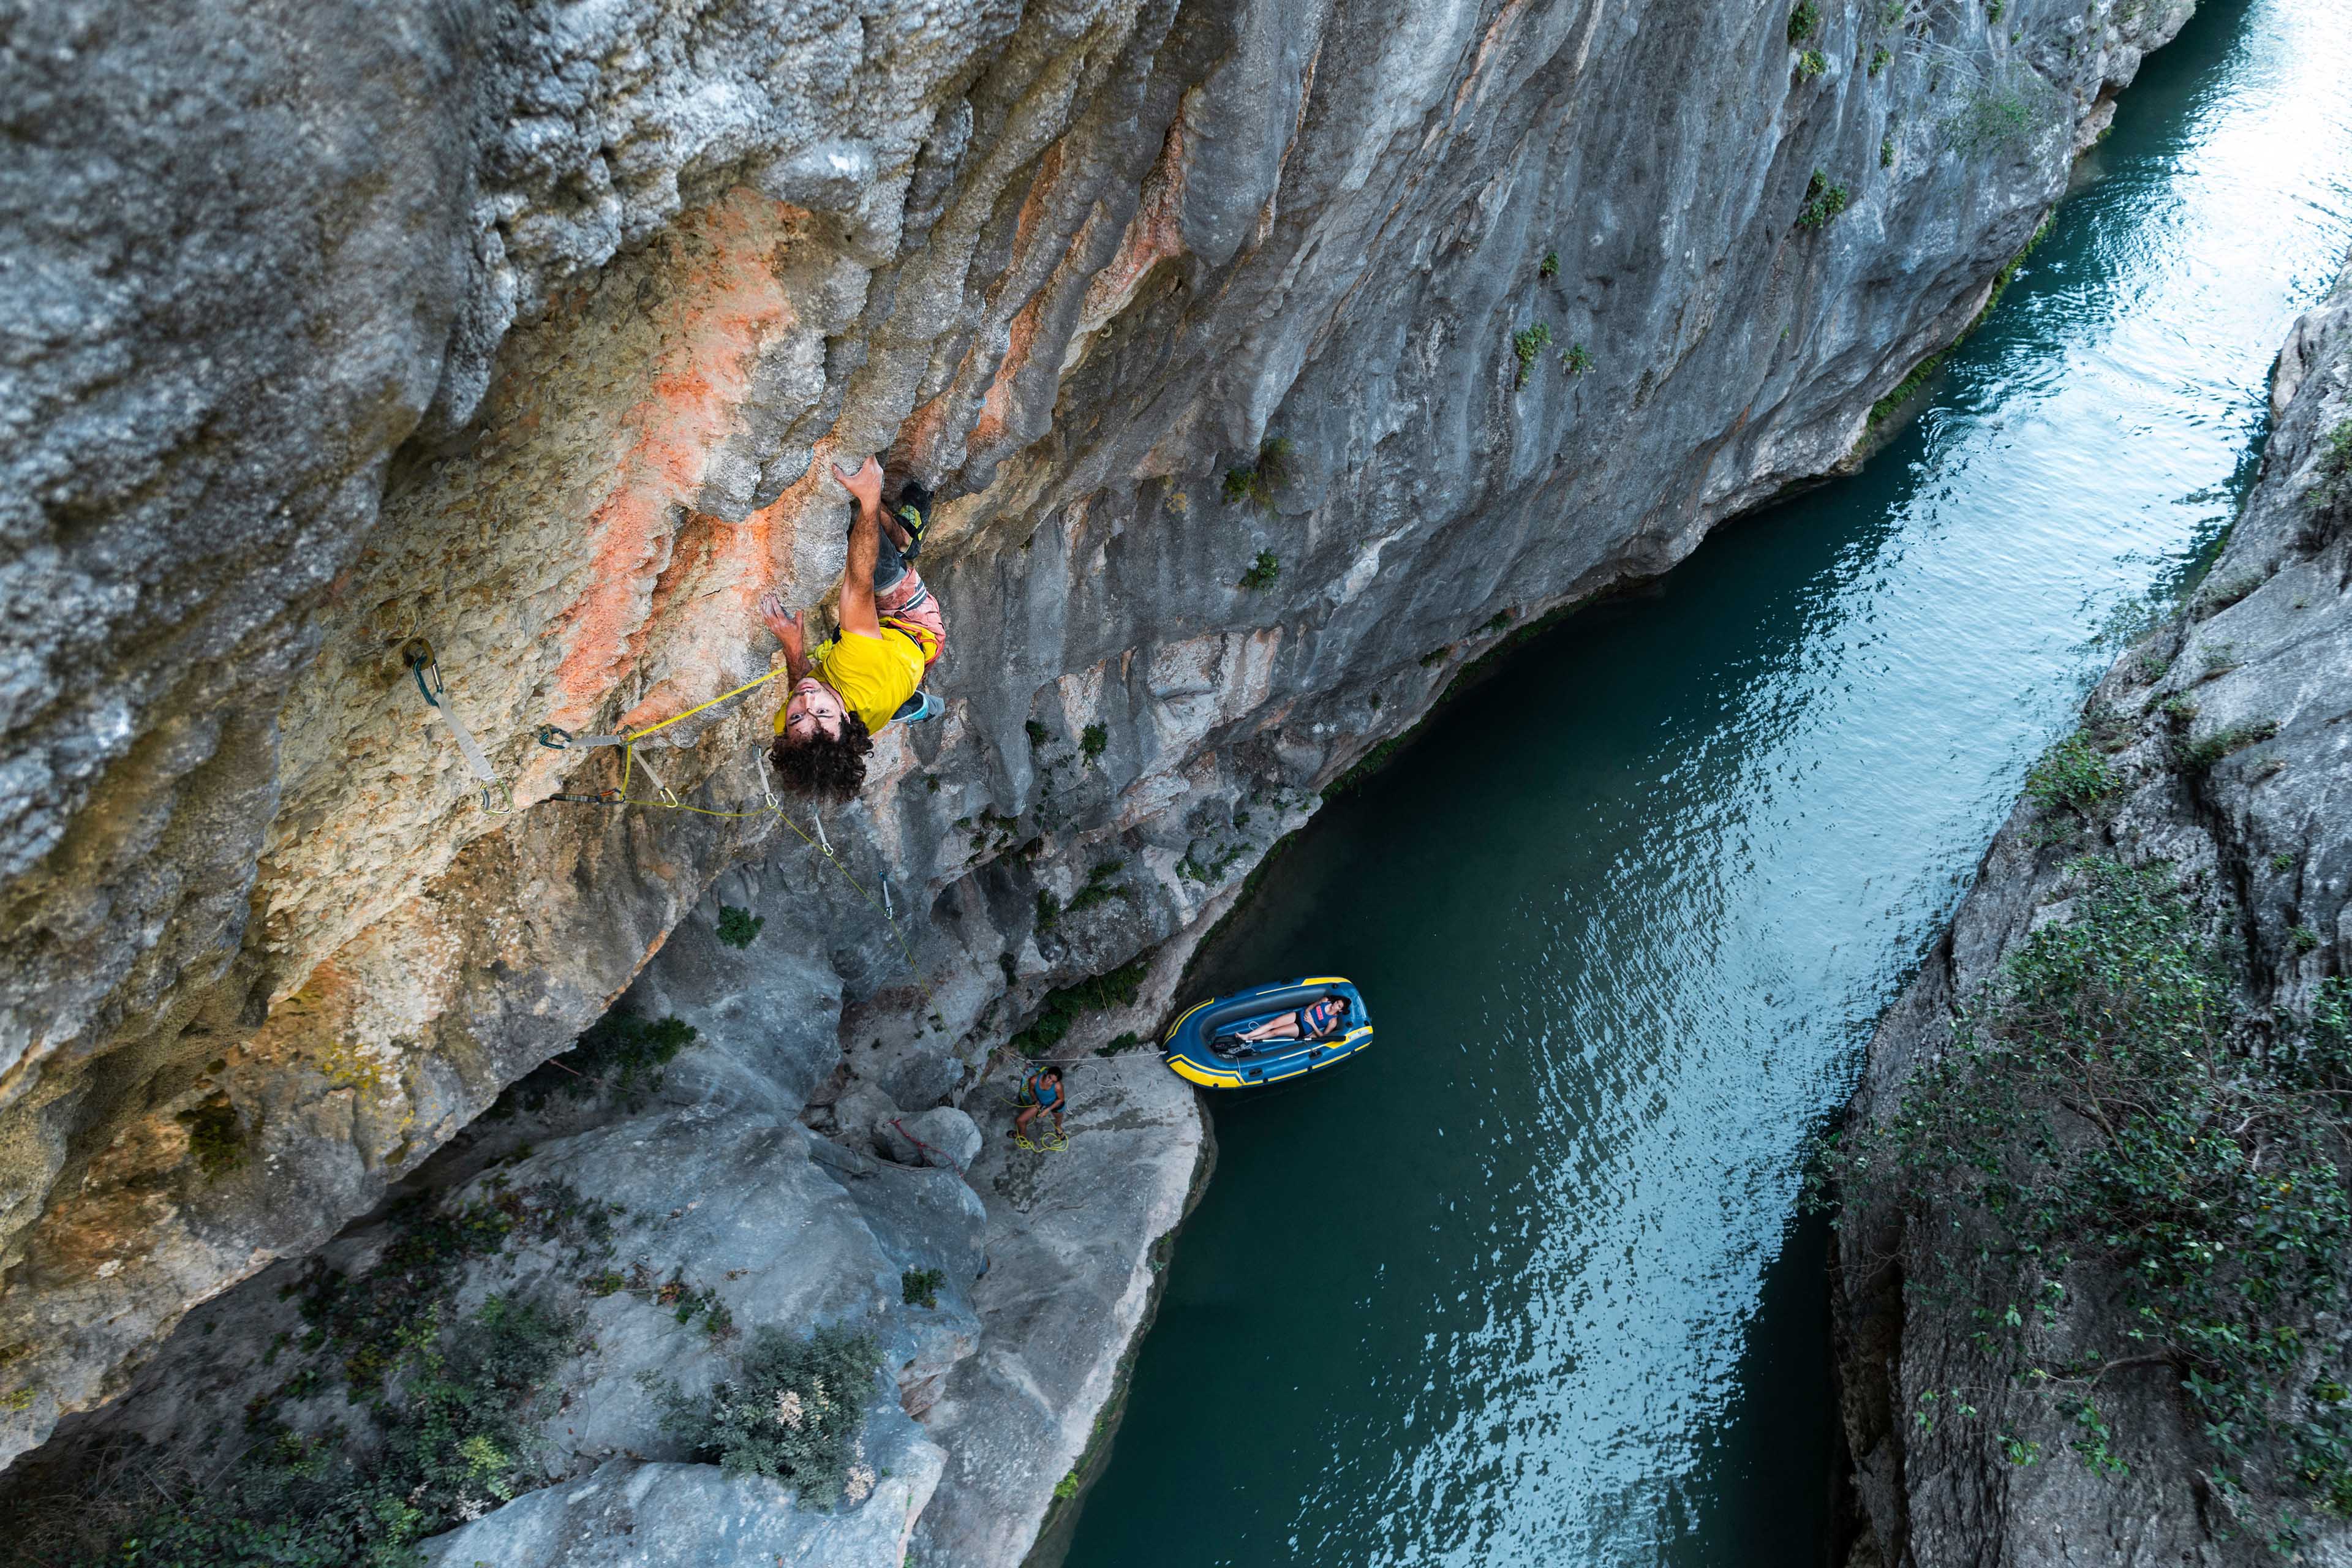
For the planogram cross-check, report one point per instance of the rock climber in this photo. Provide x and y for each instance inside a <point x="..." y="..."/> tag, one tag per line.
<point x="849" y="687"/>
<point x="1040" y="1091"/>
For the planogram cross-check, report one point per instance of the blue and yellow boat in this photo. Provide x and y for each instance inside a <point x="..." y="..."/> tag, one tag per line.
<point x="1201" y="1044"/>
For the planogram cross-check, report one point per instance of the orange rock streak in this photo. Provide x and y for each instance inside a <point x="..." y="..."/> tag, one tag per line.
<point x="724" y="308"/>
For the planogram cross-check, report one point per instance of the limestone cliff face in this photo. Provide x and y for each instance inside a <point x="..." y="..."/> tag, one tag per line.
<point x="2264" y="838"/>
<point x="527" y="328"/>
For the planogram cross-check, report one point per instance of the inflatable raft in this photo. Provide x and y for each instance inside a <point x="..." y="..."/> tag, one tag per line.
<point x="1200" y="1045"/>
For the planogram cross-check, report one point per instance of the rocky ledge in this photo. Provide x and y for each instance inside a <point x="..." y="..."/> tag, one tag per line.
<point x="2096" y="1246"/>
<point x="657" y="1198"/>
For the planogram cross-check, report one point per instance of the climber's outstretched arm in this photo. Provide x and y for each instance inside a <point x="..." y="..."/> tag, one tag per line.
<point x="858" y="613"/>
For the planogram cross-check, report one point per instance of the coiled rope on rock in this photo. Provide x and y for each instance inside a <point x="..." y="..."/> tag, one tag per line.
<point x="666" y="799"/>
<point x="497" y="799"/>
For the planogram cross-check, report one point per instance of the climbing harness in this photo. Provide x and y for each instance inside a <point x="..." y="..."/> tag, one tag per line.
<point x="417" y="655"/>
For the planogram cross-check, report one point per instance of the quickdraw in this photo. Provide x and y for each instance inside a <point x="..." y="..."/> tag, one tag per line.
<point x="417" y="654"/>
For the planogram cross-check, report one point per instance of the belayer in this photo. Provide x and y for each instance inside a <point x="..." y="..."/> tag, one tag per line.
<point x="851" y="686"/>
<point x="1040" y="1091"/>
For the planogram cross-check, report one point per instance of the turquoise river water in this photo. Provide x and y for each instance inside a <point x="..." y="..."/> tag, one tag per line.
<point x="1527" y="1284"/>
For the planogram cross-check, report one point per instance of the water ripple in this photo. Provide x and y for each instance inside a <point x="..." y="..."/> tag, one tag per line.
<point x="1525" y="1285"/>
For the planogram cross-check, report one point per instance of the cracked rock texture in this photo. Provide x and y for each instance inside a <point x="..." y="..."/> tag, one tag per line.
<point x="2266" y="835"/>
<point x="528" y="329"/>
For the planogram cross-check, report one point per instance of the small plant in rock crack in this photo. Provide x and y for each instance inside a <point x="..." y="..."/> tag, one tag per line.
<point x="2218" y="658"/>
<point x="2303" y="940"/>
<point x="1527" y="342"/>
<point x="1101" y="887"/>
<point x="621" y="1053"/>
<point x="1256" y="482"/>
<point x="2194" y="757"/>
<point x="1262" y="572"/>
<point x="796" y="1409"/>
<point x="1549" y="268"/>
<point x="1093" y="742"/>
<point x="2072" y="775"/>
<point x="1991" y="117"/>
<point x="1812" y="63"/>
<point x="2218" y="594"/>
<point x="2330" y="495"/>
<point x="921" y="1288"/>
<point x="215" y="1137"/>
<point x="1576" y="359"/>
<point x="737" y="928"/>
<point x="1804" y="21"/>
<point x="1879" y="60"/>
<point x="1823" y="201"/>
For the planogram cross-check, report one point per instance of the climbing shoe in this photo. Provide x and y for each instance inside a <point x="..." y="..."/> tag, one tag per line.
<point x="922" y="705"/>
<point x="915" y="516"/>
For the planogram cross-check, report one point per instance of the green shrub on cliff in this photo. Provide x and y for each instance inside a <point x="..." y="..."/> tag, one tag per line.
<point x="921" y="1288"/>
<point x="2115" y="1173"/>
<point x="2330" y="495"/>
<point x="1065" y="1006"/>
<point x="620" y="1055"/>
<point x="1256" y="482"/>
<point x="2072" y="775"/>
<point x="2333" y="477"/>
<point x="215" y="1137"/>
<point x="1992" y="116"/>
<point x="794" y="1410"/>
<point x="738" y="928"/>
<point x="1823" y="201"/>
<point x="1529" y="343"/>
<point x="450" y="1442"/>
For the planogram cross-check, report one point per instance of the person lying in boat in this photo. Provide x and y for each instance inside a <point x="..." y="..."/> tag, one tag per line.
<point x="848" y="689"/>
<point x="1317" y="1021"/>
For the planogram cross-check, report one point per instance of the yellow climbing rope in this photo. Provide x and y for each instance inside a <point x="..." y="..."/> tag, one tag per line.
<point x="631" y="764"/>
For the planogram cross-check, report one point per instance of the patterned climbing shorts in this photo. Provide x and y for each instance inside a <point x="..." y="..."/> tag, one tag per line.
<point x="909" y="605"/>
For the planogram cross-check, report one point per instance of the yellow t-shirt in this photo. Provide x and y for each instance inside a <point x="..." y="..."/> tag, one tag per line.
<point x="874" y="675"/>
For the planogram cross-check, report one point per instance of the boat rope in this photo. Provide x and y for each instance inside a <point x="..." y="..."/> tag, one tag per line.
<point x="417" y="654"/>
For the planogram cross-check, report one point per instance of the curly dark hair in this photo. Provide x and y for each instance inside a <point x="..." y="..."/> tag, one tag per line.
<point x="825" y="767"/>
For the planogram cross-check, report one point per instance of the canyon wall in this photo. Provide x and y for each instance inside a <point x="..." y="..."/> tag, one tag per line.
<point x="2228" y="777"/>
<point x="1271" y="360"/>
